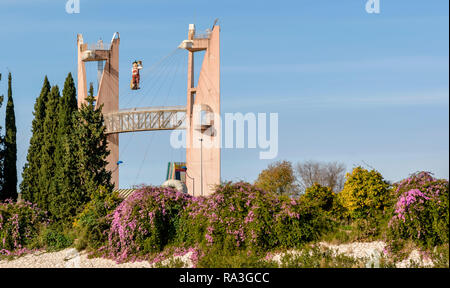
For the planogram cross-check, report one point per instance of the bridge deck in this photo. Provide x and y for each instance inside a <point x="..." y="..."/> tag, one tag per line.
<point x="145" y="119"/>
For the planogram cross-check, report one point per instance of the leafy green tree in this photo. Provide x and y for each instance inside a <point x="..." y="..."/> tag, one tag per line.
<point x="320" y="195"/>
<point x="91" y="142"/>
<point x="10" y="162"/>
<point x="47" y="153"/>
<point x="278" y="178"/>
<point x="29" y="187"/>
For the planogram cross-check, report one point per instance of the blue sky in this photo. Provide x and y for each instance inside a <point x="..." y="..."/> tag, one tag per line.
<point x="348" y="86"/>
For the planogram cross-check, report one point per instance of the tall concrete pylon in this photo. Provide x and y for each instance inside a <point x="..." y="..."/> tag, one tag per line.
<point x="108" y="91"/>
<point x="203" y="129"/>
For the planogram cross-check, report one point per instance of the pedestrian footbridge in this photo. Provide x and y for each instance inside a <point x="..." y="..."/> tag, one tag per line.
<point x="145" y="119"/>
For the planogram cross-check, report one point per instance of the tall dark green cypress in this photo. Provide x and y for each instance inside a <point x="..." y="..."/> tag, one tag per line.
<point x="47" y="153"/>
<point x="65" y="197"/>
<point x="29" y="187"/>
<point x="68" y="105"/>
<point x="2" y="148"/>
<point x="10" y="162"/>
<point x="92" y="151"/>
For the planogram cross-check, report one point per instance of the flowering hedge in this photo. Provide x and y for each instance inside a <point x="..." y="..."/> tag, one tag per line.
<point x="144" y="223"/>
<point x="20" y="223"/>
<point x="236" y="216"/>
<point x="241" y="216"/>
<point x="421" y="212"/>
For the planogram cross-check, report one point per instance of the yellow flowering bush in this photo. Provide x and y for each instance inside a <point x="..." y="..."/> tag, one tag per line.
<point x="365" y="193"/>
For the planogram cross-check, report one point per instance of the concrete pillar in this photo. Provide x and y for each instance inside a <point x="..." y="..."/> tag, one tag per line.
<point x="108" y="93"/>
<point x="203" y="145"/>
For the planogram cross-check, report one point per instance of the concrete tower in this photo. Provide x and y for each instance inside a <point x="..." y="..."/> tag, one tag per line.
<point x="108" y="91"/>
<point x="203" y="129"/>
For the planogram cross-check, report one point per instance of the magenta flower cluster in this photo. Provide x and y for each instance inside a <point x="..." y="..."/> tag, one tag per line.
<point x="407" y="199"/>
<point x="414" y="192"/>
<point x="421" y="210"/>
<point x="143" y="223"/>
<point x="424" y="181"/>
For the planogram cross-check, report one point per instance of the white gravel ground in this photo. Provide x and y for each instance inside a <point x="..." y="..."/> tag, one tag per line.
<point x="374" y="250"/>
<point x="70" y="258"/>
<point x="369" y="251"/>
<point x="358" y="249"/>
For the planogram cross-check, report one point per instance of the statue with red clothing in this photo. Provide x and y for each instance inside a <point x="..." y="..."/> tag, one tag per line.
<point x="137" y="65"/>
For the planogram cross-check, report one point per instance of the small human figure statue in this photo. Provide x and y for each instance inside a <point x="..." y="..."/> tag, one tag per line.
<point x="137" y="65"/>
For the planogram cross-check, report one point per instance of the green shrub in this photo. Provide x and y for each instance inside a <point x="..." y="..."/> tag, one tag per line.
<point x="365" y="193"/>
<point x="55" y="239"/>
<point x="339" y="234"/>
<point x="369" y="229"/>
<point x="92" y="224"/>
<point x="20" y="224"/>
<point x="297" y="222"/>
<point x="321" y="196"/>
<point x="218" y="258"/>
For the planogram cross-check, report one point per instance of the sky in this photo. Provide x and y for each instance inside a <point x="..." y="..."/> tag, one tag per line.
<point x="348" y="86"/>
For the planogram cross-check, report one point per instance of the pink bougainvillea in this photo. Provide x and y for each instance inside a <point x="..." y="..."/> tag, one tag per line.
<point x="236" y="216"/>
<point x="421" y="210"/>
<point x="239" y="215"/>
<point x="144" y="223"/>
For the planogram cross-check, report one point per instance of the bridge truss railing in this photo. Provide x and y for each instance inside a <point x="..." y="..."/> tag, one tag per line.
<point x="145" y="119"/>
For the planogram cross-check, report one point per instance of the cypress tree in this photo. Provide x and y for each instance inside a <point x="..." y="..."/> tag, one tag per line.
<point x="65" y="197"/>
<point x="2" y="148"/>
<point x="10" y="162"/>
<point x="29" y="187"/>
<point x="47" y="153"/>
<point x="68" y="105"/>
<point x="91" y="142"/>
